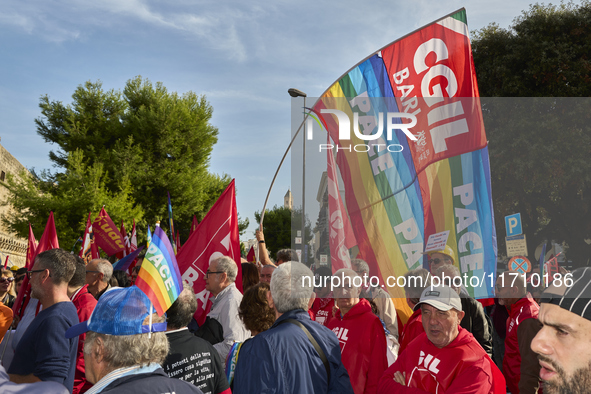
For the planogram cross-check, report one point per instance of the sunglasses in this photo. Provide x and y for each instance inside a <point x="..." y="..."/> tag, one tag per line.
<point x="30" y="273"/>
<point x="435" y="261"/>
<point x="9" y="280"/>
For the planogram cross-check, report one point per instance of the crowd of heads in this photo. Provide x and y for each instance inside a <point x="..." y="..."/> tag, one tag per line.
<point x="271" y="291"/>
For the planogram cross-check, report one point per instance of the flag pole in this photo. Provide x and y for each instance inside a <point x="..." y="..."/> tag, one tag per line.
<point x="150" y="332"/>
<point x="278" y="168"/>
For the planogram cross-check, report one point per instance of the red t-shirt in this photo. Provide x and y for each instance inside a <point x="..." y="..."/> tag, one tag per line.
<point x="363" y="346"/>
<point x="412" y="329"/>
<point x="323" y="310"/>
<point x="461" y="367"/>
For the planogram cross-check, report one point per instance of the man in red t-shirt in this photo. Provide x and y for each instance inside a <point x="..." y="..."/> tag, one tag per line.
<point x="415" y="282"/>
<point x="323" y="306"/>
<point x="444" y="359"/>
<point x="84" y="303"/>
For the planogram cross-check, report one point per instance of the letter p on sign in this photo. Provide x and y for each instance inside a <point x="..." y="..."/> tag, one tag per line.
<point x="513" y="224"/>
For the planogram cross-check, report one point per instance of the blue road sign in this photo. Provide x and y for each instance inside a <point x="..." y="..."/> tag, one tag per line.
<point x="513" y="224"/>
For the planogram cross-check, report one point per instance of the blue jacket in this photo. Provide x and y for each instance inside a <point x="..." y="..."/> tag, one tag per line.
<point x="283" y="360"/>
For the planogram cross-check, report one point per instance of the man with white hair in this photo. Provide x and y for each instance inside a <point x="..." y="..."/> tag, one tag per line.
<point x="474" y="320"/>
<point x="296" y="355"/>
<point x="219" y="281"/>
<point x="98" y="275"/>
<point x="386" y="308"/>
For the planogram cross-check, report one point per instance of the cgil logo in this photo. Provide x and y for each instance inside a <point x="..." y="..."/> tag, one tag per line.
<point x="368" y="124"/>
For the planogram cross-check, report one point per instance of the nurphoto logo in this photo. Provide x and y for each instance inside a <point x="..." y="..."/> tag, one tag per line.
<point x="388" y="121"/>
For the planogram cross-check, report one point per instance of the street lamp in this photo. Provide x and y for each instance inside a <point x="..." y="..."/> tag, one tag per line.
<point x="298" y="93"/>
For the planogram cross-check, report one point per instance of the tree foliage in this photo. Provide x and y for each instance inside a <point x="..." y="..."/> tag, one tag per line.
<point x="125" y="150"/>
<point x="540" y="147"/>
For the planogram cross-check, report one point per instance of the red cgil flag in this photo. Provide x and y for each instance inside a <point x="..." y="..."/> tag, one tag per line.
<point x="107" y="236"/>
<point x="48" y="241"/>
<point x="251" y="256"/>
<point x="216" y="236"/>
<point x="89" y="249"/>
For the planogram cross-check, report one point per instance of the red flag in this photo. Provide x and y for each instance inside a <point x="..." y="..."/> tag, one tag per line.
<point x="194" y="224"/>
<point x="6" y="262"/>
<point x="251" y="256"/>
<point x="216" y="236"/>
<point x="126" y="243"/>
<point x="31" y="249"/>
<point x="178" y="242"/>
<point x="89" y="249"/>
<point x="132" y="246"/>
<point x="341" y="234"/>
<point x="49" y="238"/>
<point x="48" y="241"/>
<point x="108" y="238"/>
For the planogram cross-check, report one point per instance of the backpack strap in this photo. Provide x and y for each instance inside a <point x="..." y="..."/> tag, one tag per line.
<point x="314" y="343"/>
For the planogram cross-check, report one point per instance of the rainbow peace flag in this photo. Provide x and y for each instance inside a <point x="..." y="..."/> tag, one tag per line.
<point x="160" y="278"/>
<point x="401" y="190"/>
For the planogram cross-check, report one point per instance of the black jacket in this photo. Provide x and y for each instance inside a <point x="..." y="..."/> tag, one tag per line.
<point x="477" y="322"/>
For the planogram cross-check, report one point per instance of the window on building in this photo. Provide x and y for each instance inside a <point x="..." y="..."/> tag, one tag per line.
<point x="2" y="176"/>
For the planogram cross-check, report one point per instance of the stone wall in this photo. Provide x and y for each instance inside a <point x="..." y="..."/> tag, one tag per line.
<point x="14" y="247"/>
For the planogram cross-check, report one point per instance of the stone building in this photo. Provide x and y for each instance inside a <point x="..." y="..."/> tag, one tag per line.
<point x="288" y="200"/>
<point x="10" y="245"/>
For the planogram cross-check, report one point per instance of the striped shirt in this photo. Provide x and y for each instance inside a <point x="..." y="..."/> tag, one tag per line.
<point x="119" y="373"/>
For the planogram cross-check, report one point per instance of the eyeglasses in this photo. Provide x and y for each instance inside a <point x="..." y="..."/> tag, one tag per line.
<point x="213" y="272"/>
<point x="435" y="261"/>
<point x="4" y="279"/>
<point x="30" y="273"/>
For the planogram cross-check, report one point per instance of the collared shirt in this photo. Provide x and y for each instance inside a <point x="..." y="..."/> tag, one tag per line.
<point x="225" y="311"/>
<point x="119" y="373"/>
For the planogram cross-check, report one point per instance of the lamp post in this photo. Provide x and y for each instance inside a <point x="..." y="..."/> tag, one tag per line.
<point x="298" y="93"/>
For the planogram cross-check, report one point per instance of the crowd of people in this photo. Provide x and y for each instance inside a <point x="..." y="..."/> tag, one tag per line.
<point x="87" y="329"/>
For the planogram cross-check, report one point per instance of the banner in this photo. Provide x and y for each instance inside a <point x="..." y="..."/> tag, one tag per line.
<point x="89" y="248"/>
<point x="159" y="277"/>
<point x="107" y="236"/>
<point x="216" y="236"/>
<point x="416" y="163"/>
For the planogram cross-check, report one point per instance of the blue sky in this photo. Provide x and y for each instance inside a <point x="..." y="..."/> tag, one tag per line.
<point x="242" y="55"/>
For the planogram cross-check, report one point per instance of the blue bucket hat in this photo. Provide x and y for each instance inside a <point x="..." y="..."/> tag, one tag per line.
<point x="119" y="311"/>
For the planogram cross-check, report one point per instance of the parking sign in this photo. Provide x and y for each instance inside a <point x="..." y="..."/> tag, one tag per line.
<point x="513" y="224"/>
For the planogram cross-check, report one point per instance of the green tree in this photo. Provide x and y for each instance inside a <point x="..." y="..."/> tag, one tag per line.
<point x="132" y="147"/>
<point x="70" y="195"/>
<point x="280" y="226"/>
<point x="540" y="148"/>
